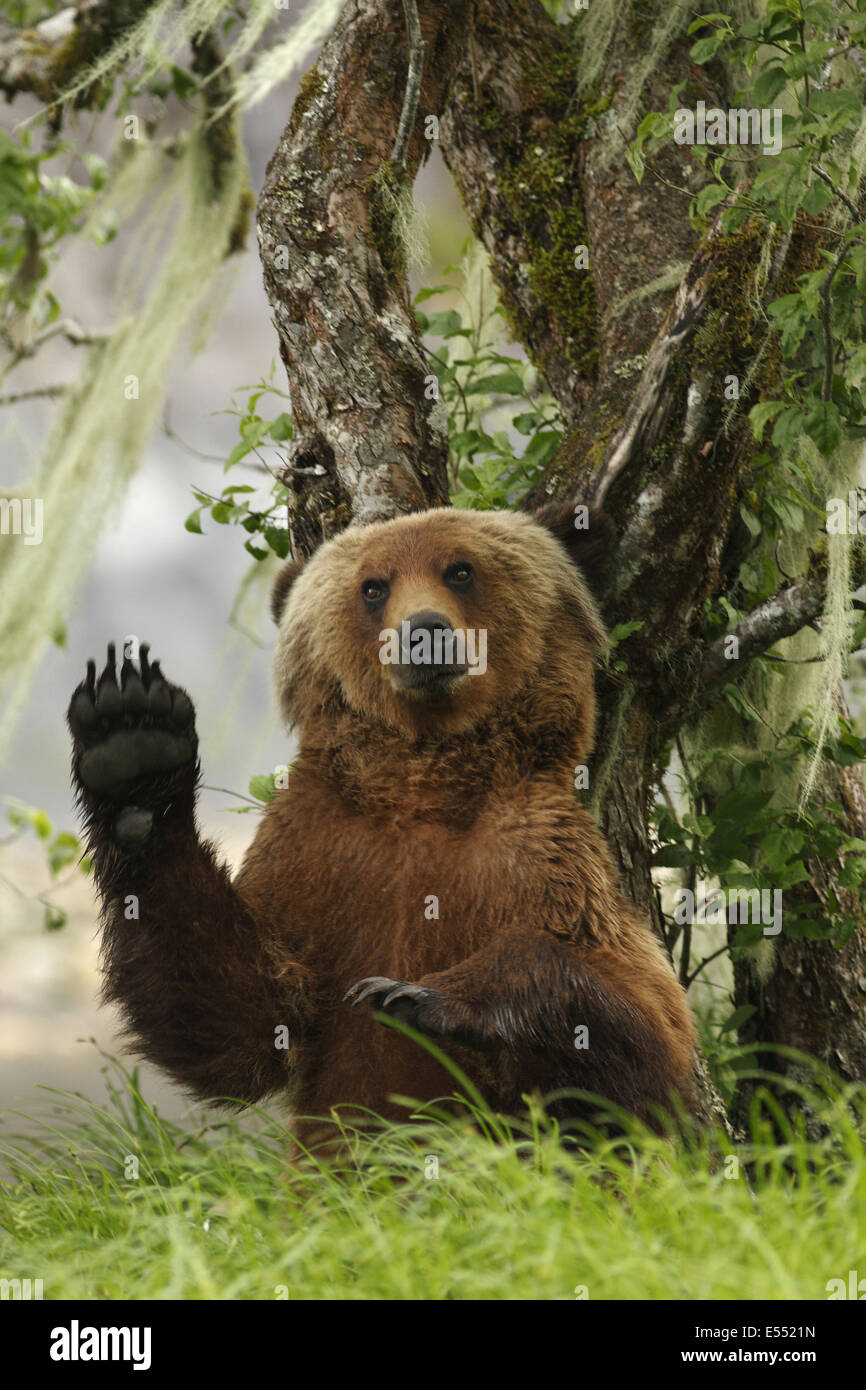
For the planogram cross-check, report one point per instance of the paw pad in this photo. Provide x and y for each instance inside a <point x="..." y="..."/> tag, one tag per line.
<point x="136" y="731"/>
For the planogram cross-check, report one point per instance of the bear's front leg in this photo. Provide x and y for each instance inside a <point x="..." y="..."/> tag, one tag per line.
<point x="579" y="1015"/>
<point x="203" y="984"/>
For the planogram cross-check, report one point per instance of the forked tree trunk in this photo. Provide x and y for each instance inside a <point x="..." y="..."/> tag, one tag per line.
<point x="636" y="350"/>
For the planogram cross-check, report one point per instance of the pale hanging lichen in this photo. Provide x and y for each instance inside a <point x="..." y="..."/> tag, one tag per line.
<point x="273" y="66"/>
<point x="602" y="21"/>
<point x="156" y="40"/>
<point x="100" y="431"/>
<point x="598" y="24"/>
<point x="397" y="227"/>
<point x="670" y="279"/>
<point x="106" y="419"/>
<point x="813" y="666"/>
<point x="836" y="628"/>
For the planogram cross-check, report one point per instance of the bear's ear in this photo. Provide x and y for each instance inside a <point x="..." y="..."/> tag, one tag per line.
<point x="282" y="584"/>
<point x="587" y="533"/>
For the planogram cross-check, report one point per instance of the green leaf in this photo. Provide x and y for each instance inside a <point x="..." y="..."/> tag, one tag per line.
<point x="822" y="426"/>
<point x="64" y="849"/>
<point x="281" y="428"/>
<point x="705" y="49"/>
<point x="238" y="452"/>
<point x="816" y="198"/>
<point x="702" y="826"/>
<point x="788" y="428"/>
<point x="30" y="815"/>
<point x="541" y="447"/>
<point x="839" y="752"/>
<point x="527" y="422"/>
<point x="709" y="17"/>
<point x="55" y="917"/>
<point x="193" y="522"/>
<point x="735" y="1020"/>
<point x="429" y="292"/>
<point x="503" y="383"/>
<point x="263" y="787"/>
<point x="792" y="319"/>
<point x="621" y="631"/>
<point x="791" y="874"/>
<point x="446" y="324"/>
<point x="183" y="83"/>
<point x="769" y="84"/>
<point x="471" y="442"/>
<point x="277" y="538"/>
<point x="709" y="197"/>
<point x="761" y="414"/>
<point x="780" y="845"/>
<point x="788" y="512"/>
<point x="748" y="934"/>
<point x="673" y="857"/>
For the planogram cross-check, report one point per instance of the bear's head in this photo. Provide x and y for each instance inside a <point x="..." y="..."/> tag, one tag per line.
<point x="431" y="623"/>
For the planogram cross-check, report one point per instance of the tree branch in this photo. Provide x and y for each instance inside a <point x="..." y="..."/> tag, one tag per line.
<point x="644" y="418"/>
<point x="370" y="434"/>
<point x="413" y="86"/>
<point x="35" y="393"/>
<point x="43" y="59"/>
<point x="788" y="611"/>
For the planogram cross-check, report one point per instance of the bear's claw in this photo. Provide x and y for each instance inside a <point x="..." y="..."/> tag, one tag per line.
<point x="412" y="1004"/>
<point x="394" y="997"/>
<point x="131" y="734"/>
<point x="425" y="1009"/>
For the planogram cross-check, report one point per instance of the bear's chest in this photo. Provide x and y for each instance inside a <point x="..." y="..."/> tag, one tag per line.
<point x="402" y="880"/>
<point x="392" y="893"/>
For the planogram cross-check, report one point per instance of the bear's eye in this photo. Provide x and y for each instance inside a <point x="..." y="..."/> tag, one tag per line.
<point x="374" y="591"/>
<point x="458" y="575"/>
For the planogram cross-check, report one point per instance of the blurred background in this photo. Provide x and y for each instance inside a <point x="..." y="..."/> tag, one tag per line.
<point x="149" y="577"/>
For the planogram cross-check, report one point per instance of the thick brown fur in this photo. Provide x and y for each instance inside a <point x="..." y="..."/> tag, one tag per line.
<point x="429" y="845"/>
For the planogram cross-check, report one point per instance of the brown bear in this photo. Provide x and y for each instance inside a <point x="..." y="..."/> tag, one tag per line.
<point x="428" y="860"/>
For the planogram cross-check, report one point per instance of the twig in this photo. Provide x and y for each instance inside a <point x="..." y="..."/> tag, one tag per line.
<point x="227" y="791"/>
<point x="851" y="206"/>
<point x="413" y="87"/>
<point x="190" y="449"/>
<point x="826" y="326"/>
<point x="690" y="979"/>
<point x="47" y="392"/>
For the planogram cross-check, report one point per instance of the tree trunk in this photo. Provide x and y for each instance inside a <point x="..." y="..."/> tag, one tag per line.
<point x="369" y="440"/>
<point x="637" y="348"/>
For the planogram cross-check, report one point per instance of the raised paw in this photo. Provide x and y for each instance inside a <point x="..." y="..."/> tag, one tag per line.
<point x="134" y="741"/>
<point x="425" y="1009"/>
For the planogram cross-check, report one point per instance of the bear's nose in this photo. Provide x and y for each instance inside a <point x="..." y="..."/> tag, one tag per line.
<point x="429" y="658"/>
<point x="437" y="625"/>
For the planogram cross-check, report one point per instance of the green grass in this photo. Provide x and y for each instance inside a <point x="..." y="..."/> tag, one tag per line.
<point x="219" y="1213"/>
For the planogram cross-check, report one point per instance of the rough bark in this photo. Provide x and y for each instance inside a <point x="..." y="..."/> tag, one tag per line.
<point x="369" y="442"/>
<point x="511" y="138"/>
